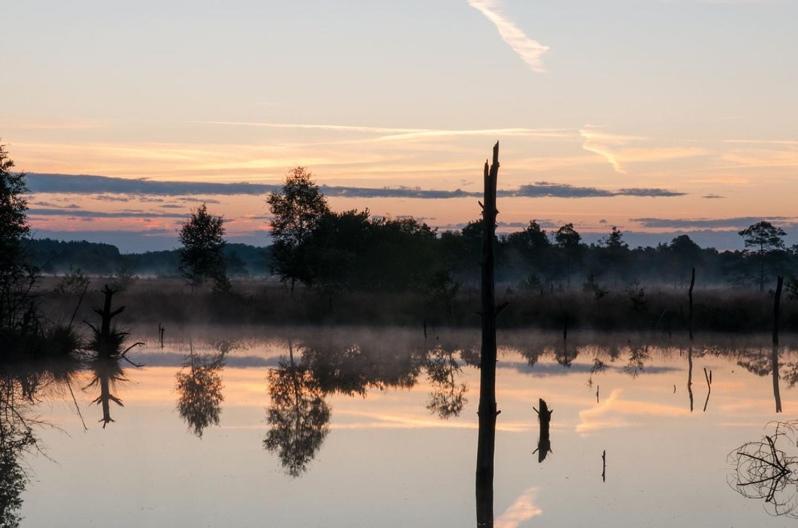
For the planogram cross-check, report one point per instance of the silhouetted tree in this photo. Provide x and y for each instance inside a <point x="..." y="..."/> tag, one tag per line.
<point x="766" y="238"/>
<point x="296" y="211"/>
<point x="202" y="256"/>
<point x="568" y="240"/>
<point x="17" y="313"/>
<point x="614" y="240"/>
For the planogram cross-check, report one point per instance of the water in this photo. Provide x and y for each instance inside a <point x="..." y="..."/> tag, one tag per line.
<point x="377" y="428"/>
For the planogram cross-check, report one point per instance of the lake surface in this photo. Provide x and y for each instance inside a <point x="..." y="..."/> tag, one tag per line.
<point x="359" y="428"/>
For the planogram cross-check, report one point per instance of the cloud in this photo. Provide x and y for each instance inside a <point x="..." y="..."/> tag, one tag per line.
<point x="562" y="190"/>
<point x="738" y="222"/>
<point x="603" y="144"/>
<point x="712" y="196"/>
<point x="82" y="213"/>
<point x="83" y="184"/>
<point x="531" y="51"/>
<point x="385" y="134"/>
<point x="618" y="150"/>
<point x="613" y="413"/>
<point x="520" y="511"/>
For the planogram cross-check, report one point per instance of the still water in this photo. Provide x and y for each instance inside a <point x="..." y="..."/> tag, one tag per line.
<point x="366" y="428"/>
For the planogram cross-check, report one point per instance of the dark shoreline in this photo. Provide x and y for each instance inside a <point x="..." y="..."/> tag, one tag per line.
<point x="657" y="310"/>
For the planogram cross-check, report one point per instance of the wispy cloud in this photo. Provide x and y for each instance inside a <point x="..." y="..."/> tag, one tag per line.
<point x="384" y="134"/>
<point x="618" y="150"/>
<point x="604" y="144"/>
<point x="531" y="51"/>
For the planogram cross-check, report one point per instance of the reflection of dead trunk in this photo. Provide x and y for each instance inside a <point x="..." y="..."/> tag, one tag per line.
<point x="690" y="375"/>
<point x="777" y="309"/>
<point x="544" y="440"/>
<point x="774" y="357"/>
<point x="690" y="296"/>
<point x="774" y="367"/>
<point x="604" y="466"/>
<point x="161" y="330"/>
<point x="708" y="377"/>
<point x="487" y="383"/>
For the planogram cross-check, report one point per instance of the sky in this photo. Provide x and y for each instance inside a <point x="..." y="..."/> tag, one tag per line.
<point x="658" y="116"/>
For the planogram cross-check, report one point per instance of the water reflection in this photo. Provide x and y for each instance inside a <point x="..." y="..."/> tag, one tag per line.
<point x="199" y="388"/>
<point x="761" y="364"/>
<point x="544" y="439"/>
<point x="764" y="470"/>
<point x="106" y="374"/>
<point x="17" y="397"/>
<point x="448" y="395"/>
<point x="423" y="383"/>
<point x="298" y="415"/>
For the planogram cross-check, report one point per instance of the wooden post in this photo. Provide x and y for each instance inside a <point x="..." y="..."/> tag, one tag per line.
<point x="777" y="309"/>
<point x="487" y="379"/>
<point x="690" y="296"/>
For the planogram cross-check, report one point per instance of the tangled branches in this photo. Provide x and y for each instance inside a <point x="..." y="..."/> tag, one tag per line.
<point x="763" y="470"/>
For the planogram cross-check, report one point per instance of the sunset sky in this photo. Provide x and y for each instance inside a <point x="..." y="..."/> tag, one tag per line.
<point x="659" y="116"/>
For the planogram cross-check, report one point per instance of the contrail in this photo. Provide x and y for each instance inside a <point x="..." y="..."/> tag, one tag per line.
<point x="528" y="49"/>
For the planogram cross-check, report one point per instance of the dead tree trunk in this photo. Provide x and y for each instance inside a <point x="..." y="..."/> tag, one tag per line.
<point x="104" y="337"/>
<point x="690" y="296"/>
<point x="487" y="382"/>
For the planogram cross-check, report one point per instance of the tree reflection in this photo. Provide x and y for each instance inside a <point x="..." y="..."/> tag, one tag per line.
<point x="354" y="368"/>
<point x="763" y="470"/>
<point x="16" y="438"/>
<point x="448" y="396"/>
<point x="107" y="372"/>
<point x="761" y="365"/>
<point x="298" y="415"/>
<point x="199" y="386"/>
<point x="637" y="358"/>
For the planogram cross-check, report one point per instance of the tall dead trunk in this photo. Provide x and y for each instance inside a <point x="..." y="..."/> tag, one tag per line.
<point x="487" y="382"/>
